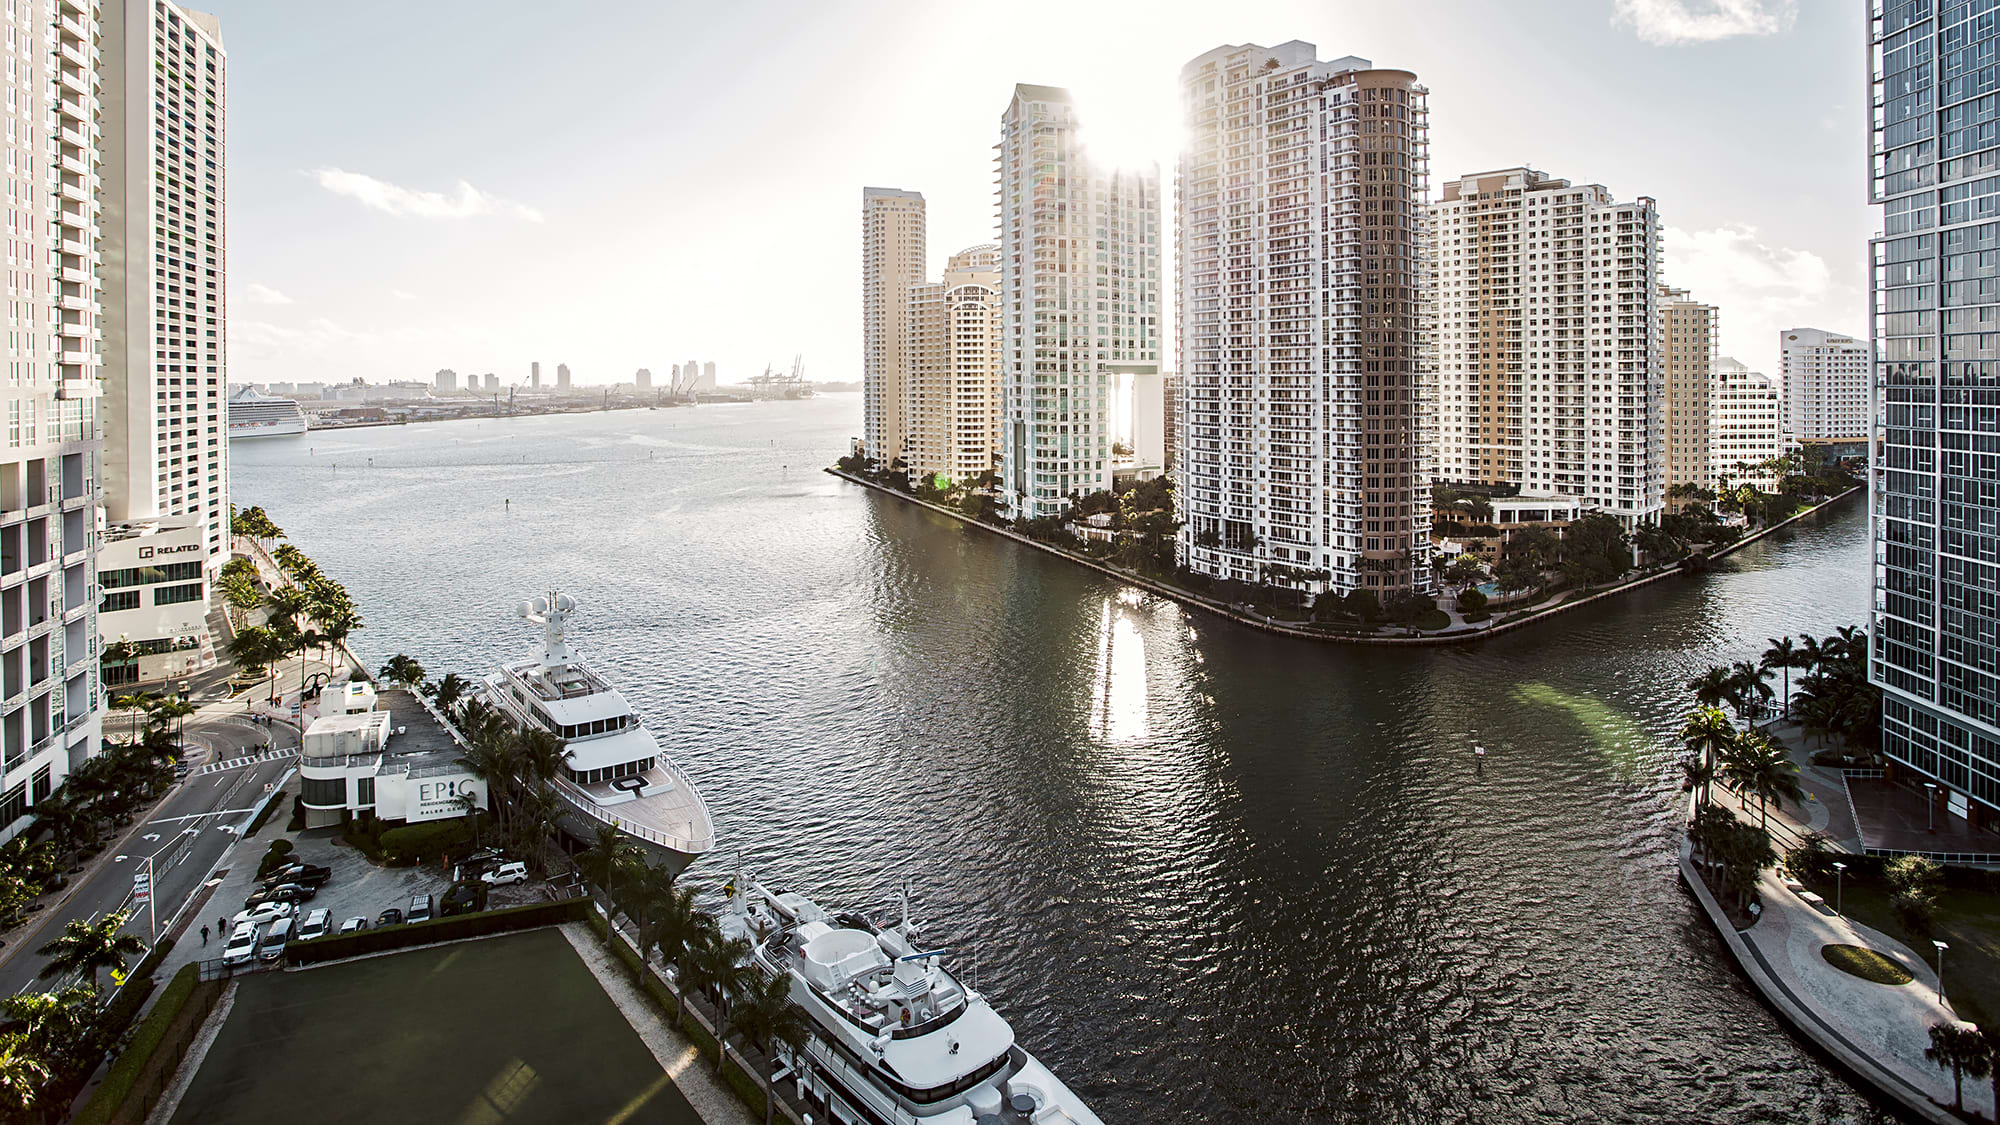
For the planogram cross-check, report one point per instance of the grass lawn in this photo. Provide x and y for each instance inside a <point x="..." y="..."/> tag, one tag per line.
<point x="1867" y="964"/>
<point x="511" y="1029"/>
<point x="1968" y="921"/>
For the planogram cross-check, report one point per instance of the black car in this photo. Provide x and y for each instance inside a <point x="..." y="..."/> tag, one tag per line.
<point x="390" y="917"/>
<point x="283" y="892"/>
<point x="305" y="874"/>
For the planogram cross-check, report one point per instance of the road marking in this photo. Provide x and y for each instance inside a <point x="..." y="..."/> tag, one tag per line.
<point x="150" y="836"/>
<point x="118" y="859"/>
<point x="192" y="816"/>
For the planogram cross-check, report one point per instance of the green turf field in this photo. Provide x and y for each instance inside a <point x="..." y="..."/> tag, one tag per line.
<point x="502" y="1031"/>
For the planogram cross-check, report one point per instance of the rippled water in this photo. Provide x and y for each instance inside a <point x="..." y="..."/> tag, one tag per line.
<point x="1209" y="874"/>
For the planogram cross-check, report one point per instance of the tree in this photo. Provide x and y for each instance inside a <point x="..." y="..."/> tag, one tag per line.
<point x="606" y="859"/>
<point x="715" y="966"/>
<point x="239" y="592"/>
<point x="1471" y="603"/>
<point x="403" y="671"/>
<point x="134" y="702"/>
<point x="174" y="710"/>
<point x="446" y="692"/>
<point x="1768" y="771"/>
<point x="21" y="1074"/>
<point x="1959" y="1047"/>
<point x="258" y="649"/>
<point x="84" y="947"/>
<point x="1364" y="605"/>
<point x="1783" y="655"/>
<point x="767" y="1017"/>
<point x="1518" y="572"/>
<point x="1707" y="735"/>
<point x="57" y="1025"/>
<point x="680" y="928"/>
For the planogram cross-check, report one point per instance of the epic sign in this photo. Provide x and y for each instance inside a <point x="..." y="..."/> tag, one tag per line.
<point x="439" y="797"/>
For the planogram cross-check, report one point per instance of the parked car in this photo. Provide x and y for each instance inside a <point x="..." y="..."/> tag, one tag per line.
<point x="273" y="945"/>
<point x="242" y="946"/>
<point x="315" y="925"/>
<point x="420" y="909"/>
<point x="390" y="917"/>
<point x="283" y="892"/>
<point x="506" y="874"/>
<point x="265" y="912"/>
<point x="354" y="925"/>
<point x="310" y="875"/>
<point x="463" y="898"/>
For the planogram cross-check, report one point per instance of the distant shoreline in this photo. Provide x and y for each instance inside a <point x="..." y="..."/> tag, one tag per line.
<point x="1223" y="609"/>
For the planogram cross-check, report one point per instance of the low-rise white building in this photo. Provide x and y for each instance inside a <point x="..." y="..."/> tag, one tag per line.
<point x="358" y="760"/>
<point x="154" y="596"/>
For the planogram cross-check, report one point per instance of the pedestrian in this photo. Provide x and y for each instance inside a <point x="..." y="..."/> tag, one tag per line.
<point x="204" y="935"/>
<point x="222" y="925"/>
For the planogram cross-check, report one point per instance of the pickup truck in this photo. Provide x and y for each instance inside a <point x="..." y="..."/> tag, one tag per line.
<point x="305" y="874"/>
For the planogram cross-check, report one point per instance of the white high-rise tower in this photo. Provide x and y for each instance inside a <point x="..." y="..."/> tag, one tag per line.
<point x="1302" y="196"/>
<point x="1080" y="296"/>
<point x="1824" y="381"/>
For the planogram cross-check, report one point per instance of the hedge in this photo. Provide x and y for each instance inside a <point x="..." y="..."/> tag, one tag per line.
<point x="334" y="947"/>
<point x="150" y="963"/>
<point x="110" y="1096"/>
<point x="421" y="841"/>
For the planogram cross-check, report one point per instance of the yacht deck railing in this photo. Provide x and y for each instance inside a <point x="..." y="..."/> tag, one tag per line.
<point x="583" y="802"/>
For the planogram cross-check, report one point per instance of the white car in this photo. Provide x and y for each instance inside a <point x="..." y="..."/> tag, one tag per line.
<point x="317" y="924"/>
<point x="505" y="874"/>
<point x="268" y="912"/>
<point x="354" y="925"/>
<point x="242" y="946"/>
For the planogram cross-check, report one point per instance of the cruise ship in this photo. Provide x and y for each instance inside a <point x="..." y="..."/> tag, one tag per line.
<point x="613" y="772"/>
<point x="260" y="415"/>
<point x="898" y="1039"/>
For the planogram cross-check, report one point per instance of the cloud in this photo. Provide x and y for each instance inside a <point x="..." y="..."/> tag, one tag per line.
<point x="394" y="199"/>
<point x="1760" y="289"/>
<point x="258" y="337"/>
<point x="1670" y="22"/>
<point x="402" y="294"/>
<point x="257" y="293"/>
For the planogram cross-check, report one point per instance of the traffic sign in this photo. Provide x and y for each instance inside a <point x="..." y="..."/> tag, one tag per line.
<point x="142" y="887"/>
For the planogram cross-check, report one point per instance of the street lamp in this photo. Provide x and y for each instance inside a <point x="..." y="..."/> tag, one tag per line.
<point x="1839" y="870"/>
<point x="1941" y="947"/>
<point x="1930" y="803"/>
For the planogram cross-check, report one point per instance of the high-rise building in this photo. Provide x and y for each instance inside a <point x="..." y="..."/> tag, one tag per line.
<point x="1934" y="634"/>
<point x="1746" y="427"/>
<point x="892" y="260"/>
<point x="447" y="379"/>
<point x="492" y="381"/>
<point x="708" y="376"/>
<point x="1080" y="290"/>
<point x="1549" y="370"/>
<point x="642" y="379"/>
<point x="1302" y="191"/>
<point x="51" y="465"/>
<point x="1824" y="378"/>
<point x="953" y="360"/>
<point x="1173" y="420"/>
<point x="562" y="376"/>
<point x="535" y="374"/>
<point x="164" y="74"/>
<point x="1689" y="339"/>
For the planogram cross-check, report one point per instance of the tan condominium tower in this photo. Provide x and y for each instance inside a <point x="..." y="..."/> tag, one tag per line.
<point x="1824" y="380"/>
<point x="1690" y="337"/>
<point x="954" y="360"/>
<point x="1303" y="185"/>
<point x="1549" y="369"/>
<point x="50" y="468"/>
<point x="892" y="260"/>
<point x="165" y="255"/>
<point x="1080" y="295"/>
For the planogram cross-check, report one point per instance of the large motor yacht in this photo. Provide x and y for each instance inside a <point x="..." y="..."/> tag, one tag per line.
<point x="897" y="1039"/>
<point x="613" y="772"/>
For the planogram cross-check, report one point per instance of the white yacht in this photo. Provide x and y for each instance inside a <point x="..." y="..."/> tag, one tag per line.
<point x="898" y="1040"/>
<point x="614" y="772"/>
<point x="252" y="414"/>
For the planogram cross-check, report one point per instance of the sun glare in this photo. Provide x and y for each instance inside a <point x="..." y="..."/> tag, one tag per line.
<point x="1130" y="123"/>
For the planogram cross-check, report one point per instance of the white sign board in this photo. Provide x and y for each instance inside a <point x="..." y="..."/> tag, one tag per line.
<point x="142" y="888"/>
<point x="436" y="798"/>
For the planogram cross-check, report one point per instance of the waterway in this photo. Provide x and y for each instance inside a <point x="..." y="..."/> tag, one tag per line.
<point x="1209" y="874"/>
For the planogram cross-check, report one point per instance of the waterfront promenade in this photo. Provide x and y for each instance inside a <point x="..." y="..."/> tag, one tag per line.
<point x="1459" y="631"/>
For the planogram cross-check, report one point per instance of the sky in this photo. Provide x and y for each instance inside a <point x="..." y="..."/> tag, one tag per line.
<point x="476" y="184"/>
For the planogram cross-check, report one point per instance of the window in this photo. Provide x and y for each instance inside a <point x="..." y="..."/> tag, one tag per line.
<point x="173" y="595"/>
<point x="123" y="599"/>
<point x="323" y="792"/>
<point x="148" y="575"/>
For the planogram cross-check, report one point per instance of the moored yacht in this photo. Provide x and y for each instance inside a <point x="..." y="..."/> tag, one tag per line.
<point x="613" y="771"/>
<point x="897" y="1039"/>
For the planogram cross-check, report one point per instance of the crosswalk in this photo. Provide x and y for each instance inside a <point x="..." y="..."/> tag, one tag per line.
<point x="246" y="760"/>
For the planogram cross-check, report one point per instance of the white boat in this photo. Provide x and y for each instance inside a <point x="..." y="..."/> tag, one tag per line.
<point x="252" y="414"/>
<point x="897" y="1039"/>
<point x="613" y="772"/>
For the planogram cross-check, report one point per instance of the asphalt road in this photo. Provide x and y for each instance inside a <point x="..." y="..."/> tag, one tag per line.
<point x="185" y="836"/>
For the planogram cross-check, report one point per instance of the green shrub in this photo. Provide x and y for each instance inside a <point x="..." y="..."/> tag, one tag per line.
<point x="333" y="947"/>
<point x="280" y="853"/>
<point x="112" y="1093"/>
<point x="422" y="841"/>
<point x="298" y="821"/>
<point x="1471" y="602"/>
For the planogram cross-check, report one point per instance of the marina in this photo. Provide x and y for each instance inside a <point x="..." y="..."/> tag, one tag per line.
<point x="1112" y="798"/>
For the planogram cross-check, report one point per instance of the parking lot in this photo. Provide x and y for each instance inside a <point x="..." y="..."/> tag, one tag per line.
<point x="357" y="888"/>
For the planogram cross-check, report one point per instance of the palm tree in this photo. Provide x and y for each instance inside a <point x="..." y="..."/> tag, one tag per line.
<point x="1810" y="655"/>
<point x="609" y="861"/>
<point x="21" y="1073"/>
<point x="61" y="813"/>
<point x="448" y="691"/>
<point x="56" y="1022"/>
<point x="679" y="928"/>
<point x="487" y="759"/>
<point x="767" y="1017"/>
<point x="1750" y="689"/>
<point x="135" y="701"/>
<point x="1960" y="1047"/>
<point x="542" y="753"/>
<point x="1785" y="656"/>
<point x="84" y="948"/>
<point x="468" y="804"/>
<point x="258" y="647"/>
<point x="715" y="966"/>
<point x="173" y="710"/>
<point x="239" y="592"/>
<point x="1708" y="736"/>
<point x="1756" y="765"/>
<point x="287" y="603"/>
<point x="1712" y="686"/>
<point x="403" y="671"/>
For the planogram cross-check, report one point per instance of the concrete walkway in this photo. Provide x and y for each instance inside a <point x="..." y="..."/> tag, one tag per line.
<point x="1891" y="1023"/>
<point x="693" y="1074"/>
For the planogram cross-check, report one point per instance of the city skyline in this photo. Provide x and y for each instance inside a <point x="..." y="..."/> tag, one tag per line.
<point x="423" y="252"/>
